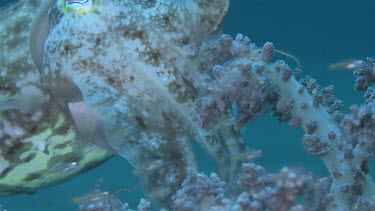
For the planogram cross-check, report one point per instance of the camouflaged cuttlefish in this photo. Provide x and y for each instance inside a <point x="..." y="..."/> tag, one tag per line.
<point x="119" y="74"/>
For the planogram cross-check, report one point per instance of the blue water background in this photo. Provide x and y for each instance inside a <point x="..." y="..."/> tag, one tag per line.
<point x="318" y="32"/>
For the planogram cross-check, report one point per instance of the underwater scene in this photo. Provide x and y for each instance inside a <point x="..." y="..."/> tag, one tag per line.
<point x="187" y="105"/>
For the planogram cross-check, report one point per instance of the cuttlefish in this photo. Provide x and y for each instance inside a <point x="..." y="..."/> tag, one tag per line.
<point x="83" y="80"/>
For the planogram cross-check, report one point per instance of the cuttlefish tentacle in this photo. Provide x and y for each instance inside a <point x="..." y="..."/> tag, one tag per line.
<point x="161" y="181"/>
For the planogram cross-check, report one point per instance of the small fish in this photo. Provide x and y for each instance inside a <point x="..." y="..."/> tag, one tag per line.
<point x="159" y="193"/>
<point x="96" y="195"/>
<point x="132" y="189"/>
<point x="150" y="167"/>
<point x="124" y="132"/>
<point x="224" y="123"/>
<point x="93" y="196"/>
<point x="78" y="5"/>
<point x="249" y="155"/>
<point x="350" y="64"/>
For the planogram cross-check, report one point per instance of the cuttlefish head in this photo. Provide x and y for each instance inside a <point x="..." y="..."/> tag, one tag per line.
<point x="48" y="16"/>
<point x="87" y="122"/>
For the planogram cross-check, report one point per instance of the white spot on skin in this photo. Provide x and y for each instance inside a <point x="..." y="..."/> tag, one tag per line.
<point x="42" y="146"/>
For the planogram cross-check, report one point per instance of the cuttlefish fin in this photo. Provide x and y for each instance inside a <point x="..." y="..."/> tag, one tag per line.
<point x="89" y="125"/>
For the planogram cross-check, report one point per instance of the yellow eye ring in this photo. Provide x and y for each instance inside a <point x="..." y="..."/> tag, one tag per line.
<point x="78" y="5"/>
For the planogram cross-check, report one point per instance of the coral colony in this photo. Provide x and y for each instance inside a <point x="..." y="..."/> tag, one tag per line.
<point x="136" y="78"/>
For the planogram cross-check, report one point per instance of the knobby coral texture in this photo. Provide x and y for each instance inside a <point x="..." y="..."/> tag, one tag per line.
<point x="244" y="76"/>
<point x="258" y="191"/>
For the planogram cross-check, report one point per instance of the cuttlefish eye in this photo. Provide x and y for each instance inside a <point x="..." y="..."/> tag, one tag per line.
<point x="78" y="5"/>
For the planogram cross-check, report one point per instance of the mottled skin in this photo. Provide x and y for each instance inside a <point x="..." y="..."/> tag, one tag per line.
<point x="29" y="117"/>
<point x="25" y="168"/>
<point x="130" y="66"/>
<point x="132" y="62"/>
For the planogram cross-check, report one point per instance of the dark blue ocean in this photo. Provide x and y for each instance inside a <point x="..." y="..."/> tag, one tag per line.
<point x="318" y="33"/>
